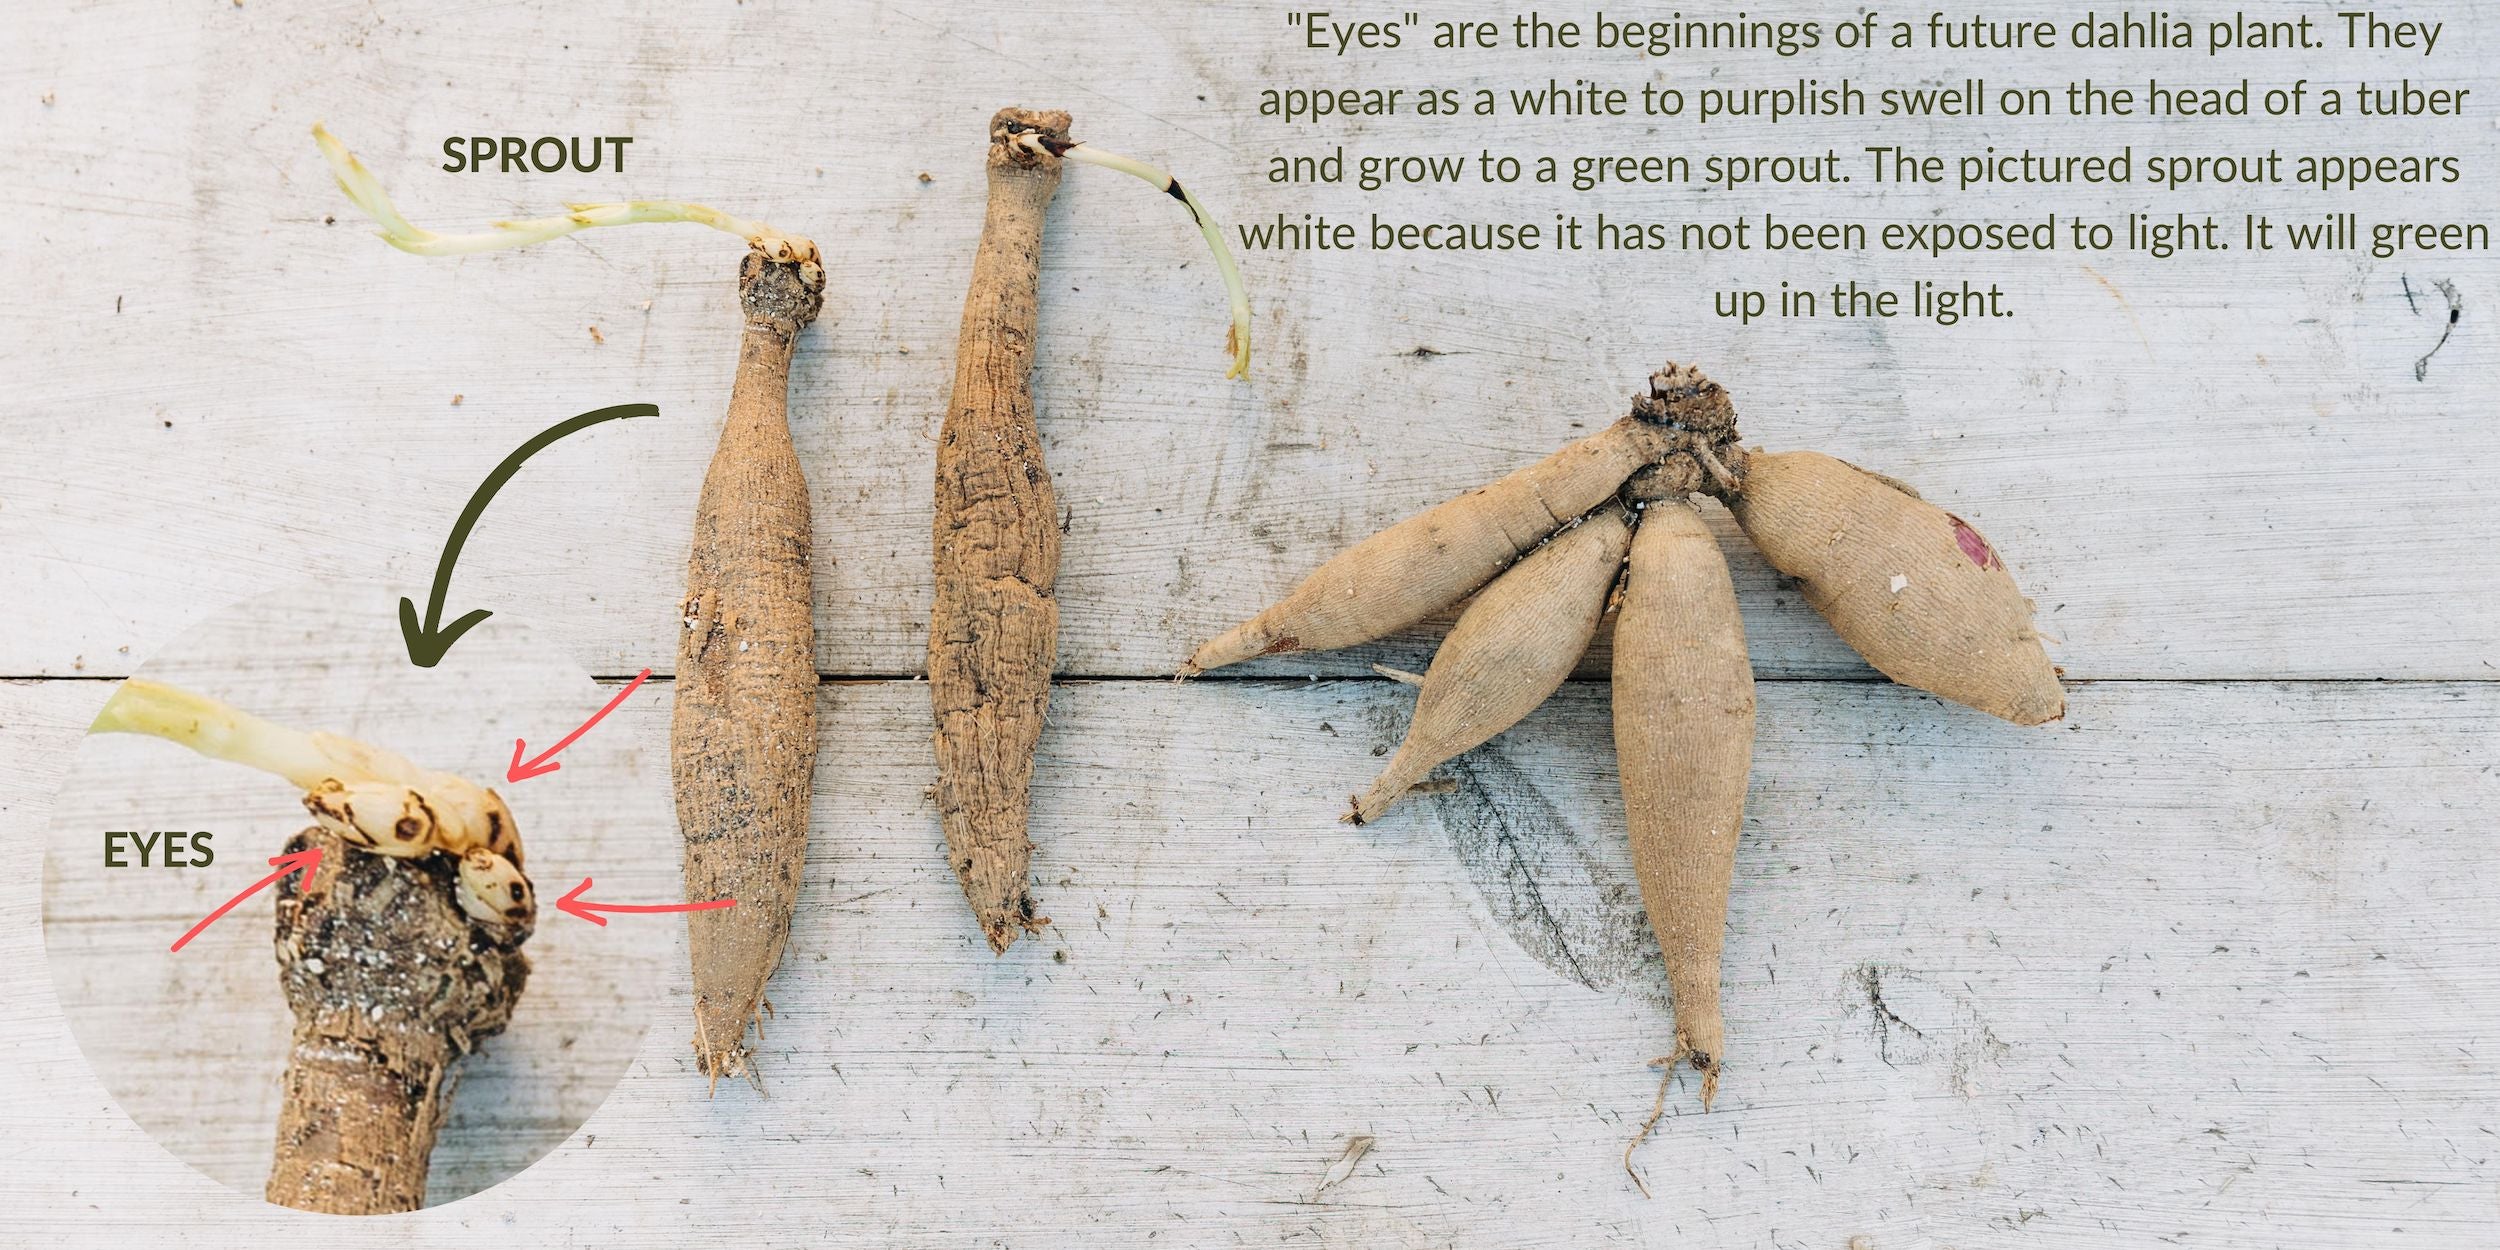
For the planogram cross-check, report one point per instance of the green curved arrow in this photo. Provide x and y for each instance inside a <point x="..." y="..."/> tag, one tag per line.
<point x="427" y="643"/>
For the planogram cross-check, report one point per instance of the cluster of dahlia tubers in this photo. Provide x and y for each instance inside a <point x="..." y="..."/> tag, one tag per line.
<point x="1608" y="523"/>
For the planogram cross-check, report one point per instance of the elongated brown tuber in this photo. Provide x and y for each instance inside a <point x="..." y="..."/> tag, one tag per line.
<point x="1684" y="731"/>
<point x="1912" y="587"/>
<point x="1510" y="650"/>
<point x="391" y="984"/>
<point x="1435" y="558"/>
<point x="994" y="623"/>
<point x="743" y="735"/>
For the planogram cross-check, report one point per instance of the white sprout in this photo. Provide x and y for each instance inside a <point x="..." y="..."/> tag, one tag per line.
<point x="374" y="799"/>
<point x="366" y="192"/>
<point x="1237" y="339"/>
<point x="221" y="732"/>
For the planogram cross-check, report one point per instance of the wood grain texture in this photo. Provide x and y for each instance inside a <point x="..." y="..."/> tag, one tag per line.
<point x="2207" y="961"/>
<point x="2202" y="467"/>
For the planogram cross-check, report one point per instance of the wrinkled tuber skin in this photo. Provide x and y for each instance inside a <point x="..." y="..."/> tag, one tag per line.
<point x="1427" y="562"/>
<point x="743" y="733"/>
<point x="1912" y="587"/>
<point x="1415" y="568"/>
<point x="994" y="621"/>
<point x="391" y="984"/>
<point x="1510" y="650"/>
<point x="1684" y="734"/>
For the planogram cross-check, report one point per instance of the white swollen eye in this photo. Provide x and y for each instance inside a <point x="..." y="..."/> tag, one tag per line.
<point x="328" y="805"/>
<point x="502" y="836"/>
<point x="493" y="891"/>
<point x="460" y="813"/>
<point x="387" y="819"/>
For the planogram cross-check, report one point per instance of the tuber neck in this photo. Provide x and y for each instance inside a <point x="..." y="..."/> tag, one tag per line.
<point x="389" y="982"/>
<point x="361" y="1108"/>
<point x="1703" y="454"/>
<point x="1028" y="139"/>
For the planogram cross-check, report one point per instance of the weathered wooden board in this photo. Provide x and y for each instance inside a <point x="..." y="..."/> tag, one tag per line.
<point x="214" y="382"/>
<point x="2209" y="964"/>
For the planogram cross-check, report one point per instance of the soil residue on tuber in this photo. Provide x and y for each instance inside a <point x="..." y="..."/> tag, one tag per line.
<point x="391" y="984"/>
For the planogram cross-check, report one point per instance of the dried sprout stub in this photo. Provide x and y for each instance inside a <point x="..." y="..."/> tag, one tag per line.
<point x="370" y="798"/>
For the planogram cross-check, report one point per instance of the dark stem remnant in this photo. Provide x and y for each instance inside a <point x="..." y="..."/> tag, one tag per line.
<point x="390" y="985"/>
<point x="994" y="623"/>
<point x="1705" y="455"/>
<point x="743" y="733"/>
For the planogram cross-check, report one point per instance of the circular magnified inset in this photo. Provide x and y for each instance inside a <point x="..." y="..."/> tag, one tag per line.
<point x="301" y="900"/>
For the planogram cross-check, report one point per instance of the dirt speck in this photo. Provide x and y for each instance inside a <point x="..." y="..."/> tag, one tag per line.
<point x="1355" y="1148"/>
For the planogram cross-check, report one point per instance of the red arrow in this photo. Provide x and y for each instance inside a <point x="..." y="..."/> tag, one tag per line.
<point x="308" y="859"/>
<point x="573" y="904"/>
<point x="544" y="761"/>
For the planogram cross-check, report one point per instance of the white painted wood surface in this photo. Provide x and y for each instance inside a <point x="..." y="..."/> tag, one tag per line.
<point x="2211" y="961"/>
<point x="2207" y="468"/>
<point x="2211" y="964"/>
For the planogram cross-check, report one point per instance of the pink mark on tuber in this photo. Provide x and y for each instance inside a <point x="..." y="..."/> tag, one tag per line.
<point x="1974" y="546"/>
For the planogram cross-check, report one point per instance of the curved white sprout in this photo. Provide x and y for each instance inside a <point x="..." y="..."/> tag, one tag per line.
<point x="221" y="732"/>
<point x="366" y="192"/>
<point x="373" y="799"/>
<point x="1237" y="339"/>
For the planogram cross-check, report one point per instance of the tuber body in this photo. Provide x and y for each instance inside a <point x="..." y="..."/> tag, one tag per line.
<point x="743" y="734"/>
<point x="1912" y="587"/>
<point x="1433" y="559"/>
<point x="994" y="618"/>
<point x="994" y="621"/>
<point x="1510" y="650"/>
<point x="1684" y="731"/>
